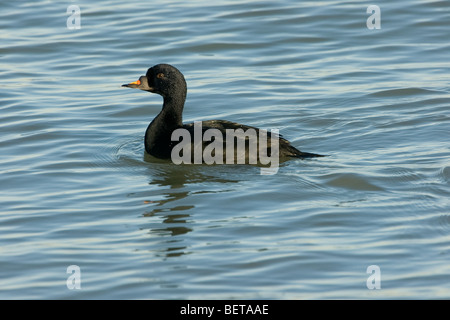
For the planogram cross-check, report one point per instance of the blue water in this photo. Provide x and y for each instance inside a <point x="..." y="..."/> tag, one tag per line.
<point x="76" y="187"/>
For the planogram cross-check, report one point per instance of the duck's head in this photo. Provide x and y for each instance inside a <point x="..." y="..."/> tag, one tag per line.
<point x="163" y="79"/>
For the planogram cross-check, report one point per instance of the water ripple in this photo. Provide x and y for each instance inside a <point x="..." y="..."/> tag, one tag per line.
<point x="78" y="188"/>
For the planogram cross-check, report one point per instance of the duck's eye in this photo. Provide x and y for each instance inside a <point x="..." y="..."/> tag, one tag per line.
<point x="160" y="75"/>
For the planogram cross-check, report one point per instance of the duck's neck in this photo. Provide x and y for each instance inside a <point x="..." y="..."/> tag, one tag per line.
<point x="172" y="111"/>
<point x="159" y="131"/>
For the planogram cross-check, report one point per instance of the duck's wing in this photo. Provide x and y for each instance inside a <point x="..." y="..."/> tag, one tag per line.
<point x="285" y="147"/>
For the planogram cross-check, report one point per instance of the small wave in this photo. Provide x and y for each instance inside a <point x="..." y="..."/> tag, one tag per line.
<point x="445" y="174"/>
<point x="403" y="92"/>
<point x="352" y="181"/>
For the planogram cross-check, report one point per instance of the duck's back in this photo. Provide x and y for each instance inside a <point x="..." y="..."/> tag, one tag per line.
<point x="245" y="135"/>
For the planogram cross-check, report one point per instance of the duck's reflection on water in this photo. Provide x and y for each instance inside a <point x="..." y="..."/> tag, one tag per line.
<point x="177" y="182"/>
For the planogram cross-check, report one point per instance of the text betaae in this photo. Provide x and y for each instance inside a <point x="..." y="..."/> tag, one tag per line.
<point x="246" y="309"/>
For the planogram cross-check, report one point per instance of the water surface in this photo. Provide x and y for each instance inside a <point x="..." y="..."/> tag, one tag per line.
<point x="78" y="189"/>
